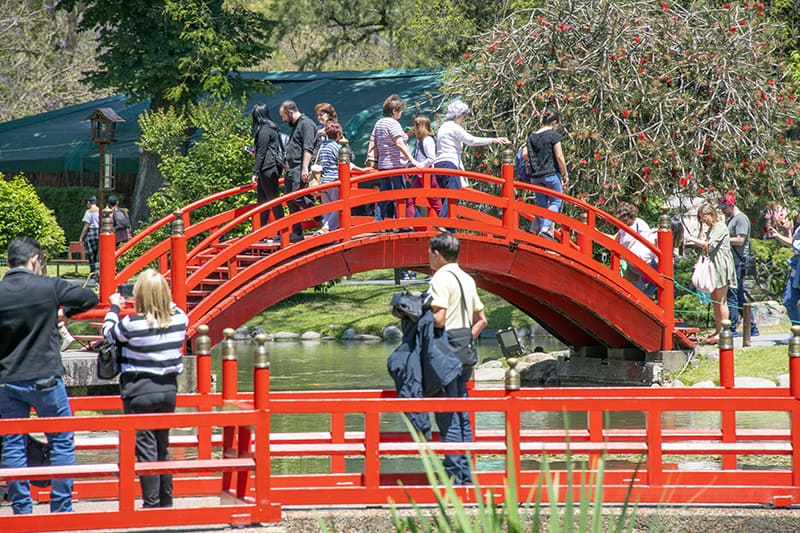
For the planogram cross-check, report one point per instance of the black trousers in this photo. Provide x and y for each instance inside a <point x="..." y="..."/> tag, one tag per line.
<point x="152" y="445"/>
<point x="268" y="189"/>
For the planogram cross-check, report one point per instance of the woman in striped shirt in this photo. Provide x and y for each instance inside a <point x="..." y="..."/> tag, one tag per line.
<point x="151" y="358"/>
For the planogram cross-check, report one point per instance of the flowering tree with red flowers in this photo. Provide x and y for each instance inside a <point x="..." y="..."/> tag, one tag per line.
<point x="656" y="99"/>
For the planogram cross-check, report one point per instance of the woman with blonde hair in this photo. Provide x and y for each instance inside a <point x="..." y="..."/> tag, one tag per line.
<point x="151" y="342"/>
<point x="717" y="244"/>
<point x="425" y="153"/>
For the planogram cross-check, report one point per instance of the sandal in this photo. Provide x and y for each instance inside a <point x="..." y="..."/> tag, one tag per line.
<point x="710" y="340"/>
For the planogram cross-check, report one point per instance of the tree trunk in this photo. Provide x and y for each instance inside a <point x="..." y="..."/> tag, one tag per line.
<point x="148" y="181"/>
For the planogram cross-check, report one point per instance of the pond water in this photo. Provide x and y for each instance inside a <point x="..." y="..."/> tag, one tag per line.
<point x="362" y="365"/>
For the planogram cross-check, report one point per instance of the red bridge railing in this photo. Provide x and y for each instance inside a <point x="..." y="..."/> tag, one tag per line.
<point x="496" y="207"/>
<point x="233" y="466"/>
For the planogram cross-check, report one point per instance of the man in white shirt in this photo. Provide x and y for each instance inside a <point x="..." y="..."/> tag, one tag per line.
<point x="454" y="307"/>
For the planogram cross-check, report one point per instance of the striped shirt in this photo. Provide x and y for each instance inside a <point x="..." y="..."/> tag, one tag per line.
<point x="329" y="160"/>
<point x="386" y="132"/>
<point x="145" y="348"/>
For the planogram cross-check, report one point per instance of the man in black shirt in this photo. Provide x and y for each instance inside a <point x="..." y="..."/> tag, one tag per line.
<point x="298" y="159"/>
<point x="30" y="363"/>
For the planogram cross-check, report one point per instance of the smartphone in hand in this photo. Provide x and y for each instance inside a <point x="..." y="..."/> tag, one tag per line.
<point x="125" y="290"/>
<point x="249" y="150"/>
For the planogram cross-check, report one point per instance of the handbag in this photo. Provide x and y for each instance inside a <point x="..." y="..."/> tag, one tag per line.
<point x="108" y="360"/>
<point x="460" y="340"/>
<point x="703" y="277"/>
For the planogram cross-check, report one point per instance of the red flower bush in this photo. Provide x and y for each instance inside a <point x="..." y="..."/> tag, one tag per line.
<point x="655" y="99"/>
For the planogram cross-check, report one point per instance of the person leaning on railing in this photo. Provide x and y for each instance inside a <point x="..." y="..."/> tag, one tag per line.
<point x="31" y="369"/>
<point x="151" y="343"/>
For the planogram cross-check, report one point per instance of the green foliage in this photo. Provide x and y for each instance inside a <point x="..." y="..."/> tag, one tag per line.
<point x="214" y="161"/>
<point x="174" y="51"/>
<point x="69" y="206"/>
<point x="41" y="56"/>
<point x="772" y="266"/>
<point x="489" y="516"/>
<point x="657" y="99"/>
<point x="376" y="34"/>
<point x="22" y="214"/>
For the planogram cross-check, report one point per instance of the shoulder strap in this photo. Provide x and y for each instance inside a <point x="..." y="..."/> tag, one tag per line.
<point x="463" y="300"/>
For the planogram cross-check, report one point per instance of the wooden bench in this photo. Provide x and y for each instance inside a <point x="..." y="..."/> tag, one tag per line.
<point x="74" y="255"/>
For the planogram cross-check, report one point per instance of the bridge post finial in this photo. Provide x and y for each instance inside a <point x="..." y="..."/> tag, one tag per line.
<point x="513" y="381"/>
<point x="726" y="366"/>
<point x="230" y="366"/>
<point x="261" y="372"/>
<point x="345" y="155"/>
<point x="107" y="221"/>
<point x="664" y="218"/>
<point x="177" y="224"/>
<point x="794" y="362"/>
<point x="202" y="351"/>
<point x="508" y="156"/>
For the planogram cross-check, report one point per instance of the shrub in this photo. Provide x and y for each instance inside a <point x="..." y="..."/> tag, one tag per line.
<point x="657" y="99"/>
<point x="22" y="214"/>
<point x="69" y="206"/>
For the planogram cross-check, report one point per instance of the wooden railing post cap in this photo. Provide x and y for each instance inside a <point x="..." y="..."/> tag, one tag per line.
<point x="261" y="352"/>
<point x="177" y="224"/>
<point x="202" y="345"/>
<point x="726" y="336"/>
<point x="508" y="156"/>
<point x="228" y="347"/>
<point x="794" y="342"/>
<point x="513" y="380"/>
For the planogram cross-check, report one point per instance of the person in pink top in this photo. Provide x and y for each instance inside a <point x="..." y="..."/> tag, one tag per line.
<point x="450" y="141"/>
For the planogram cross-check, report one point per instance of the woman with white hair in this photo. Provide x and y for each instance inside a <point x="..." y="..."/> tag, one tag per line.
<point x="450" y="141"/>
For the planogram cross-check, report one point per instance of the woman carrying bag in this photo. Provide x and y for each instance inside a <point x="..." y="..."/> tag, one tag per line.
<point x="717" y="244"/>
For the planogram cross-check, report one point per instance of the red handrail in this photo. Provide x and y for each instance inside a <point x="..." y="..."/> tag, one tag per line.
<point x="474" y="214"/>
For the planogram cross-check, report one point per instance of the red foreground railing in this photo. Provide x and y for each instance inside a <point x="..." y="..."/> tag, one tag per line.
<point x="230" y="456"/>
<point x="500" y="210"/>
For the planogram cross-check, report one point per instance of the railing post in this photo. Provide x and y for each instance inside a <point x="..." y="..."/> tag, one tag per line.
<point x="747" y="312"/>
<point x="344" y="185"/>
<point x="794" y="363"/>
<point x="666" y="295"/>
<point x="108" y="256"/>
<point x="178" y="260"/>
<point x="230" y="375"/>
<point x="510" y="219"/>
<point x="726" y="365"/>
<point x="261" y="373"/>
<point x="202" y="347"/>
<point x="230" y="366"/>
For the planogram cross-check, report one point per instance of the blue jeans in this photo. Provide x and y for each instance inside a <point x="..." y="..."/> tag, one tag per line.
<point x="736" y="301"/>
<point x="388" y="209"/>
<point x="16" y="400"/>
<point x="447" y="182"/>
<point x="791" y="297"/>
<point x="456" y="427"/>
<point x="552" y="182"/>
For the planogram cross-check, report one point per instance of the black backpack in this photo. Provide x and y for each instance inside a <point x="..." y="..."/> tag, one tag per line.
<point x="280" y="152"/>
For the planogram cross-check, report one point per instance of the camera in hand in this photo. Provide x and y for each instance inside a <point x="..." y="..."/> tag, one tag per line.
<point x="125" y="290"/>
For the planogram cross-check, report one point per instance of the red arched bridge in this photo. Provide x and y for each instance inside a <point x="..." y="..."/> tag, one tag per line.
<point x="224" y="269"/>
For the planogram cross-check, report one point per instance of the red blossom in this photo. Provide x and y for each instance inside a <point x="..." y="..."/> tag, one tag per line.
<point x="645" y="170"/>
<point x="642" y="136"/>
<point x="520" y="83"/>
<point x="789" y="121"/>
<point x="683" y="182"/>
<point x="582" y="161"/>
<point x="626" y="113"/>
<point x="637" y="39"/>
<point x="598" y="156"/>
<point x="601" y="200"/>
<point x="466" y="55"/>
